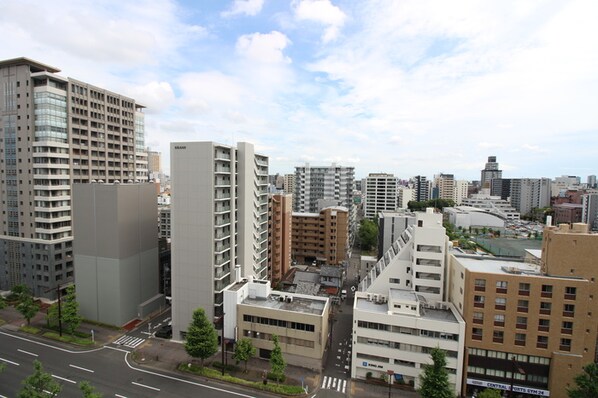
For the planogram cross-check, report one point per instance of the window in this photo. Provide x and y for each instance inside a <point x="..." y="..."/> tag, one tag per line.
<point x="499" y="320"/>
<point x="524" y="289"/>
<point x="570" y="293"/>
<point x="498" y="336"/>
<point x="480" y="285"/>
<point x="497" y="354"/>
<point x="545" y="308"/>
<point x="478" y="301"/>
<point x="519" y="339"/>
<point x="500" y="303"/>
<point x="542" y="342"/>
<point x="546" y="291"/>
<point x="476" y="334"/>
<point x="477" y="351"/>
<point x="544" y="325"/>
<point x="565" y="345"/>
<point x="567" y="327"/>
<point x="478" y="317"/>
<point x="522" y="305"/>
<point x="521" y="322"/>
<point x="395" y="280"/>
<point x="568" y="310"/>
<point x="501" y="286"/>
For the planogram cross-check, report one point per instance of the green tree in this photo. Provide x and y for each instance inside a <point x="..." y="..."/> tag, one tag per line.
<point x="88" y="390"/>
<point x="202" y="339"/>
<point x="244" y="351"/>
<point x="586" y="383"/>
<point x="434" y="380"/>
<point x="40" y="384"/>
<point x="489" y="393"/>
<point x="70" y="311"/>
<point x="368" y="234"/>
<point x="18" y="292"/>
<point x="28" y="308"/>
<point x="277" y="364"/>
<point x="2" y="303"/>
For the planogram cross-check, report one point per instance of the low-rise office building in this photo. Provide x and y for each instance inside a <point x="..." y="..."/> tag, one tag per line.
<point x="301" y="322"/>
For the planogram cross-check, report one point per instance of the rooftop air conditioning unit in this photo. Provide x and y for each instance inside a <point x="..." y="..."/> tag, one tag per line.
<point x="289" y="299"/>
<point x="281" y="298"/>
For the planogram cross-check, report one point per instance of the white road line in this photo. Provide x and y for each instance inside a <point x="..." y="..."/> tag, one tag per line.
<point x="344" y="386"/>
<point x="2" y="396"/>
<point x="65" y="379"/>
<point x="143" y="385"/>
<point x="51" y="346"/>
<point x="324" y="381"/>
<point x="27" y="352"/>
<point x="80" y="368"/>
<point x="7" y="361"/>
<point x="119" y="396"/>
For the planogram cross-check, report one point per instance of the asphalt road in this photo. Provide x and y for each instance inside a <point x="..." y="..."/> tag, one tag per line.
<point x="108" y="369"/>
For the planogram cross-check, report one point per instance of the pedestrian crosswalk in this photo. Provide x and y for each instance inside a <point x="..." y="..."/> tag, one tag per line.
<point x="333" y="383"/>
<point x="129" y="341"/>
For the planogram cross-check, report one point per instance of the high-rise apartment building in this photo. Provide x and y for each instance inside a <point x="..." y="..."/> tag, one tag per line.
<point x="444" y="186"/>
<point x="490" y="172"/>
<point x="422" y="188"/>
<point x="56" y="131"/>
<point x="219" y="218"/>
<point x="501" y="187"/>
<point x="390" y="226"/>
<point x="154" y="163"/>
<point x="279" y="244"/>
<point x="325" y="184"/>
<point x="591" y="181"/>
<point x="461" y="191"/>
<point x="589" y="212"/>
<point x="380" y="194"/>
<point x="321" y="237"/>
<point x="404" y="196"/>
<point x="530" y="193"/>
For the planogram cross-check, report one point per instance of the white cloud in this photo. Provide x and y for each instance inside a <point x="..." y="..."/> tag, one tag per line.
<point x="207" y="91"/>
<point x="322" y="12"/>
<point x="156" y="96"/>
<point x="264" y="47"/>
<point x="247" y="7"/>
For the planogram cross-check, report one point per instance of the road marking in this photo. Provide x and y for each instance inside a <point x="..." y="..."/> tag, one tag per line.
<point x="80" y="368"/>
<point x="143" y="385"/>
<point x="129" y="341"/>
<point x="65" y="379"/>
<point x="11" y="362"/>
<point x="119" y="396"/>
<point x="27" y="352"/>
<point x="51" y="346"/>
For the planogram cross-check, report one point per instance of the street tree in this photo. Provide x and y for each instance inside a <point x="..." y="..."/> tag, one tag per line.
<point x="28" y="308"/>
<point x="18" y="292"/>
<point x="70" y="311"/>
<point x="586" y="383"/>
<point x="368" y="234"/>
<point x="277" y="364"/>
<point x="40" y="384"/>
<point x="244" y="351"/>
<point x="434" y="380"/>
<point x="2" y="303"/>
<point x="88" y="390"/>
<point x="202" y="339"/>
<point x="489" y="393"/>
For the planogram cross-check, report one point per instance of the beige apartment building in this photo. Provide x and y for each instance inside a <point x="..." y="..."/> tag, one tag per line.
<point x="529" y="324"/>
<point x="279" y="231"/>
<point x="56" y="131"/>
<point x="321" y="237"/>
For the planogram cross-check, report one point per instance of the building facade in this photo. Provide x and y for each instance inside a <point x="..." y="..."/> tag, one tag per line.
<point x="116" y="251"/>
<point x="589" y="213"/>
<point x="422" y="188"/>
<point x="279" y="232"/>
<point x="567" y="213"/>
<point x="219" y="215"/>
<point x="56" y="131"/>
<point x="444" y="186"/>
<point x="380" y="194"/>
<point x="530" y="193"/>
<point x="490" y="172"/>
<point x="390" y="226"/>
<point x="321" y="237"/>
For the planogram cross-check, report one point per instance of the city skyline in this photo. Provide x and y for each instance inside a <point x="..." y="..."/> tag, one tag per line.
<point x="400" y="87"/>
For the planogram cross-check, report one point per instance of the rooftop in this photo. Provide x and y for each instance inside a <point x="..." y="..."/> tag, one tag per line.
<point x="427" y="313"/>
<point x="27" y="61"/>
<point x="300" y="304"/>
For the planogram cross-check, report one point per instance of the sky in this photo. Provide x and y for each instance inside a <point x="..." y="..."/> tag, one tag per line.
<point x="398" y="86"/>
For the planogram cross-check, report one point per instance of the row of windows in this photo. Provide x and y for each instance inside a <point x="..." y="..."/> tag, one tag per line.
<point x="406" y="330"/>
<point x="402" y="346"/>
<point x="522" y="305"/>
<point x="520" y="339"/>
<point x="521" y="322"/>
<point x="504" y="355"/>
<point x="279" y="323"/>
<point x="480" y="285"/>
<point x="282" y="339"/>
<point x="505" y="374"/>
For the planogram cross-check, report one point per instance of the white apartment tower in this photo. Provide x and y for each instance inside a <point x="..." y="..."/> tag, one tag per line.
<point x="380" y="194"/>
<point x="219" y="215"/>
<point x="56" y="131"/>
<point x="530" y="193"/>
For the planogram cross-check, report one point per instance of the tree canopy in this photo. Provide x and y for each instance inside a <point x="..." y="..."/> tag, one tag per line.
<point x="435" y="203"/>
<point x="434" y="380"/>
<point x="70" y="311"/>
<point x="368" y="234"/>
<point x="40" y="384"/>
<point x="202" y="339"/>
<point x="586" y="383"/>
<point x="88" y="391"/>
<point x="244" y="351"/>
<point x="28" y="308"/>
<point x="277" y="363"/>
<point x="489" y="393"/>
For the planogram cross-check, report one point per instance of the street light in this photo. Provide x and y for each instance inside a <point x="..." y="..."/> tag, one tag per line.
<point x="390" y="373"/>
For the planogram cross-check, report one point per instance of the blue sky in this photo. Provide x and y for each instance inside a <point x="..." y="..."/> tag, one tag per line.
<point x="405" y="87"/>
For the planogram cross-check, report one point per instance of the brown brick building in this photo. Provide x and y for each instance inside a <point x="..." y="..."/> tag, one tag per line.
<point x="529" y="325"/>
<point x="280" y="212"/>
<point x="322" y="237"/>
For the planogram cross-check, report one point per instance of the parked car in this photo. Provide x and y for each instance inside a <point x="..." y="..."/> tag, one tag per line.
<point x="164" y="332"/>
